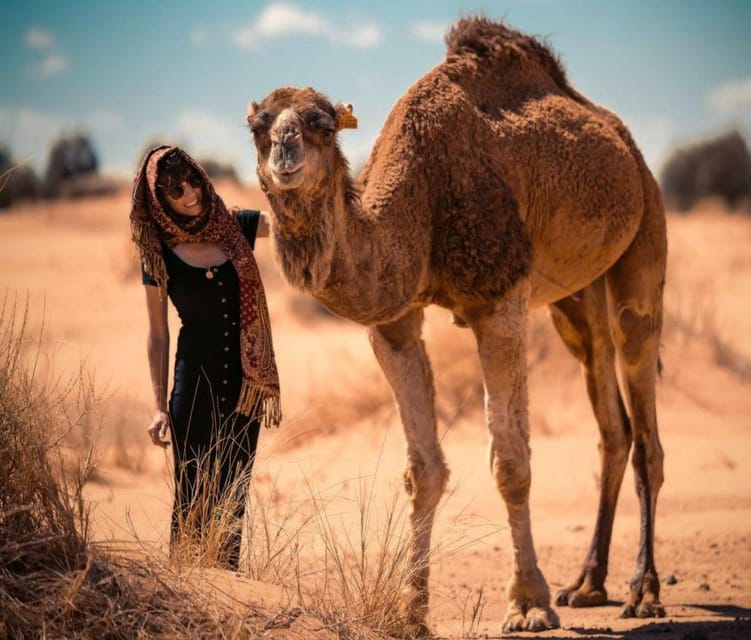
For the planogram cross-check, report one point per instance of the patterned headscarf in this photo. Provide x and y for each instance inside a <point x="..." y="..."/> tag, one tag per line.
<point x="151" y="225"/>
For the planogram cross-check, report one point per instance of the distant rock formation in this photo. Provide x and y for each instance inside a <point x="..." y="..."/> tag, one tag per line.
<point x="218" y="171"/>
<point x="73" y="170"/>
<point x="70" y="158"/>
<point x="718" y="167"/>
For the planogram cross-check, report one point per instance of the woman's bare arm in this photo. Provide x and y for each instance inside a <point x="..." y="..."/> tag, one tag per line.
<point x="264" y="228"/>
<point x="157" y="347"/>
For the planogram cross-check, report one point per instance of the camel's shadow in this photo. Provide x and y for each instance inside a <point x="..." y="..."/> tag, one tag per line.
<point x="736" y="626"/>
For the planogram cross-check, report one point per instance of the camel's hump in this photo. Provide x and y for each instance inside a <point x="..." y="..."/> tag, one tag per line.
<point x="490" y="40"/>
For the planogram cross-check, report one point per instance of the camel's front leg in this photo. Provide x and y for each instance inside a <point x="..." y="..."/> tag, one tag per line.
<point x="501" y="342"/>
<point x="401" y="354"/>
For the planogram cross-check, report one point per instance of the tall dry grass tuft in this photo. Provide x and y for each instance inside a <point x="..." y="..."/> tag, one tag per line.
<point x="54" y="582"/>
<point x="44" y="519"/>
<point x="212" y="518"/>
<point x="275" y="533"/>
<point x="343" y="553"/>
<point x="362" y="565"/>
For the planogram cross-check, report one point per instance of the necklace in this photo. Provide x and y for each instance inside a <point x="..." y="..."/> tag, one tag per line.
<point x="209" y="273"/>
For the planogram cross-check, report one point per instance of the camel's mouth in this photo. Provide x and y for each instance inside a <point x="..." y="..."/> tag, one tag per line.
<point x="288" y="179"/>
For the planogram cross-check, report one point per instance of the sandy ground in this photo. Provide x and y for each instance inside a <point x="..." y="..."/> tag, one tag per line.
<point x="73" y="262"/>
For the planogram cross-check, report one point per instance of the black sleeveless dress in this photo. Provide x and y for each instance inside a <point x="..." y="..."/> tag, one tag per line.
<point x="213" y="447"/>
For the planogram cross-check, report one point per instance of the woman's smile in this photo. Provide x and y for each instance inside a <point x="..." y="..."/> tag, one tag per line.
<point x="190" y="203"/>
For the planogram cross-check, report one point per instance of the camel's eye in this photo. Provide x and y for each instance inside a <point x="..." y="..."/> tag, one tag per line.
<point x="319" y="121"/>
<point x="261" y="123"/>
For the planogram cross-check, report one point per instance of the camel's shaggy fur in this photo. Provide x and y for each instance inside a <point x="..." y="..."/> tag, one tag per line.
<point x="493" y="186"/>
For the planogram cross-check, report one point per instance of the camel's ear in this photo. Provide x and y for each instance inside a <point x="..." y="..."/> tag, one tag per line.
<point x="252" y="110"/>
<point x="345" y="119"/>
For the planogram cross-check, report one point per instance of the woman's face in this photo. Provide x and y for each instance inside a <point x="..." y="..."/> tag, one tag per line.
<point x="190" y="201"/>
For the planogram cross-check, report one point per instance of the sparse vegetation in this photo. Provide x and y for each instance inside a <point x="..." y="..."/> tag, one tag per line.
<point x="129" y="585"/>
<point x="693" y="319"/>
<point x="361" y="567"/>
<point x="718" y="167"/>
<point x="57" y="582"/>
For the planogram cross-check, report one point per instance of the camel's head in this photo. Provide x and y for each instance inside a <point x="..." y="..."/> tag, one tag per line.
<point x="295" y="137"/>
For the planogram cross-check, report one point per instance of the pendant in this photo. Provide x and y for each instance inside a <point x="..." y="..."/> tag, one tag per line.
<point x="209" y="274"/>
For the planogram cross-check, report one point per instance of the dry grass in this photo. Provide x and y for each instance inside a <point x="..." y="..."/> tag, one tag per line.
<point x="275" y="534"/>
<point x="362" y="393"/>
<point x="361" y="568"/>
<point x="54" y="583"/>
<point x="98" y="591"/>
<point x="57" y="583"/>
<point x="343" y="551"/>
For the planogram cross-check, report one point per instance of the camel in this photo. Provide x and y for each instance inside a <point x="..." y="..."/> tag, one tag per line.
<point x="493" y="187"/>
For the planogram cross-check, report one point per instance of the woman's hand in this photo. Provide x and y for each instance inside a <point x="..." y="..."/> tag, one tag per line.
<point x="159" y="429"/>
<point x="264" y="226"/>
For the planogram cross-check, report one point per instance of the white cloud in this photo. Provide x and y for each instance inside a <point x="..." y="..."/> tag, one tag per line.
<point x="52" y="64"/>
<point x="282" y="19"/>
<point x="42" y="40"/>
<point x="279" y="20"/>
<point x="104" y="121"/>
<point x="428" y="31"/>
<point x="731" y="98"/>
<point x="28" y="133"/>
<point x="362" y="37"/>
<point x="205" y="129"/>
<point x="38" y="38"/>
<point x="206" y="134"/>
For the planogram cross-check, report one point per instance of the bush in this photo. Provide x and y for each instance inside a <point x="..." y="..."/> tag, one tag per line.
<point x="719" y="167"/>
<point x="70" y="158"/>
<point x="17" y="182"/>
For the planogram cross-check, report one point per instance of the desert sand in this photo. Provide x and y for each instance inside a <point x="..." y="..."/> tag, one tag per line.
<point x="73" y="262"/>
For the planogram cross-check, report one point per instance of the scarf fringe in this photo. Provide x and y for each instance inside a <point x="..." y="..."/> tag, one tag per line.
<point x="263" y="400"/>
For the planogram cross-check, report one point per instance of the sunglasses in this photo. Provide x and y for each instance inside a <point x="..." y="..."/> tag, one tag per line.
<point x="176" y="191"/>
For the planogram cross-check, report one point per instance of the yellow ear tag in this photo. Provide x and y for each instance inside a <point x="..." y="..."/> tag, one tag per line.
<point x="346" y="119"/>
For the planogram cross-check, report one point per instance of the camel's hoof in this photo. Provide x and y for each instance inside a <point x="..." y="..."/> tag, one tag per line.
<point x="643" y="610"/>
<point x="536" y="619"/>
<point x="581" y="597"/>
<point x="650" y="610"/>
<point x="645" y="598"/>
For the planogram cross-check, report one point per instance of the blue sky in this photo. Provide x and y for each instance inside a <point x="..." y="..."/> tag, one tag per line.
<point x="128" y="73"/>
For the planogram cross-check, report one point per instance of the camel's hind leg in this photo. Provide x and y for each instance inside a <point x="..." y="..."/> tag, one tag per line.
<point x="582" y="322"/>
<point x="635" y="283"/>
<point x="401" y="353"/>
<point x="501" y="343"/>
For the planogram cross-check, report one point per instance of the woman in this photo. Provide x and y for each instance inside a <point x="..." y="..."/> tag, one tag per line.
<point x="225" y="382"/>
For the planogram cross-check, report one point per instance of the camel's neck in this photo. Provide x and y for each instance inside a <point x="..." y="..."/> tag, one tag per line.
<point x="329" y="248"/>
